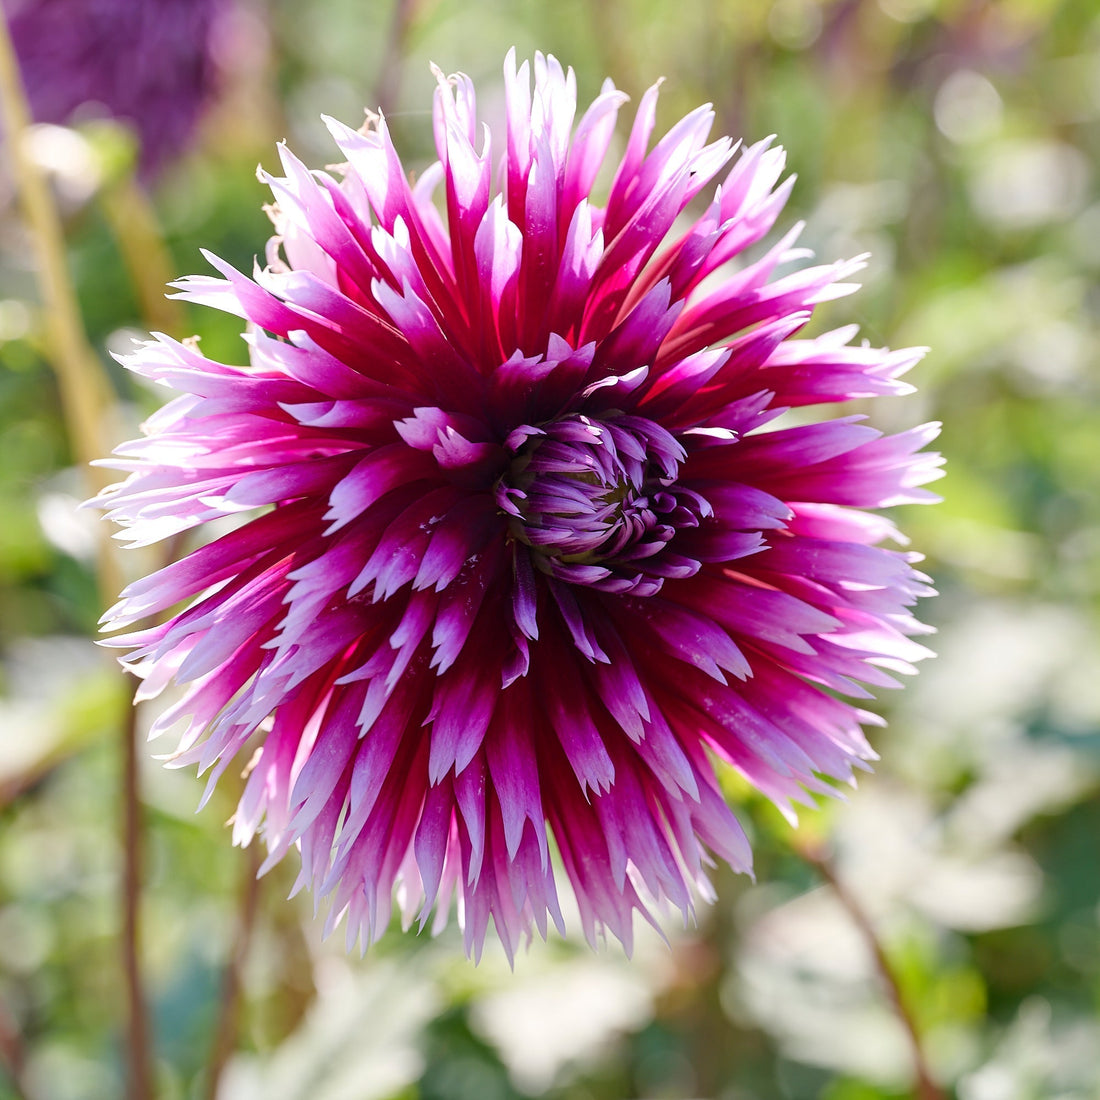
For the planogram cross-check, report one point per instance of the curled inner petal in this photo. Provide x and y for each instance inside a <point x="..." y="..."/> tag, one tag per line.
<point x="597" y="501"/>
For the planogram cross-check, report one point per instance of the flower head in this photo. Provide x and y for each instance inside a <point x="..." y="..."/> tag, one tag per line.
<point x="524" y="552"/>
<point x="149" y="64"/>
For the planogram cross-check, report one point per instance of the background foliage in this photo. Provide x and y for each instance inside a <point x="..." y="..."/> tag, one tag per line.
<point x="958" y="142"/>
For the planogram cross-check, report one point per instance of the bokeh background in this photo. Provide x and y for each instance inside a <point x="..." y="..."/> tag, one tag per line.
<point x="955" y="140"/>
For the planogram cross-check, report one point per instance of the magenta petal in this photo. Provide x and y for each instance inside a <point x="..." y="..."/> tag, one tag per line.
<point x="462" y="709"/>
<point x="513" y="768"/>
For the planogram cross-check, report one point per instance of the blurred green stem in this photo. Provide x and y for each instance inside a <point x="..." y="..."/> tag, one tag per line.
<point x="613" y="45"/>
<point x="135" y="227"/>
<point x="388" y="85"/>
<point x="84" y="394"/>
<point x="816" y="856"/>
<point x="83" y="388"/>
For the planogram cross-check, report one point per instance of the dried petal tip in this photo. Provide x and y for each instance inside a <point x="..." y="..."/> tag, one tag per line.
<point x="527" y="554"/>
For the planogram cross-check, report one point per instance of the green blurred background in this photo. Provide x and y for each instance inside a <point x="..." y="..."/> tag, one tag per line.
<point x="957" y="141"/>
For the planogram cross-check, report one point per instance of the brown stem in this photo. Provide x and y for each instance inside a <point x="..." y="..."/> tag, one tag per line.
<point x="927" y="1089"/>
<point x="140" y="1082"/>
<point x="13" y="1054"/>
<point x="13" y="786"/>
<point x="228" y="1023"/>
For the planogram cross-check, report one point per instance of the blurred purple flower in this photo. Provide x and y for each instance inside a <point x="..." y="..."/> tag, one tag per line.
<point x="525" y="552"/>
<point x="148" y="63"/>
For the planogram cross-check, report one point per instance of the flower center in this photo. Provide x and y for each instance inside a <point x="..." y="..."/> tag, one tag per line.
<point x="597" y="501"/>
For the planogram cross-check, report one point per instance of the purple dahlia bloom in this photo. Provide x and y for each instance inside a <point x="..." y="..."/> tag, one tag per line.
<point x="145" y="62"/>
<point x="524" y="556"/>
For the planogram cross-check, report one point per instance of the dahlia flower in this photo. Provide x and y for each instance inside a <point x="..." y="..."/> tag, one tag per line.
<point x="521" y="557"/>
<point x="149" y="64"/>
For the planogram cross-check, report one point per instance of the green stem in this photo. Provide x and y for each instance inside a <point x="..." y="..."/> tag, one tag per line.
<point x="137" y="233"/>
<point x="388" y="85"/>
<point x="82" y="385"/>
